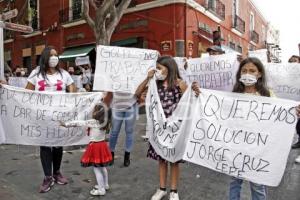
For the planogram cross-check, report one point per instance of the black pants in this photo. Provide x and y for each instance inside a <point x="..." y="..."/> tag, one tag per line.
<point x="298" y="129"/>
<point x="49" y="156"/>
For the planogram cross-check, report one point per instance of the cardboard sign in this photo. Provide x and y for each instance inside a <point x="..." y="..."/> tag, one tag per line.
<point x="120" y="69"/>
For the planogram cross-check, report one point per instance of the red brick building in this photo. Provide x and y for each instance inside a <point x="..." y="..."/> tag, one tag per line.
<point x="175" y="27"/>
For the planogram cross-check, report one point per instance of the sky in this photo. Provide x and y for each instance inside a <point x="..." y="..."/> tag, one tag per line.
<point x="284" y="16"/>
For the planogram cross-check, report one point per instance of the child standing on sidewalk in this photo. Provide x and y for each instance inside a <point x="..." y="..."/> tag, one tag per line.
<point x="97" y="153"/>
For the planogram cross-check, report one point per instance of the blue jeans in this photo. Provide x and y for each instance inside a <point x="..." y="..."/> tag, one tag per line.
<point x="258" y="192"/>
<point x="129" y="116"/>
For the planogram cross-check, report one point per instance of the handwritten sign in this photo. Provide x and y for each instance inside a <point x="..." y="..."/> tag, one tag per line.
<point x="82" y="61"/>
<point x="17" y="81"/>
<point x="120" y="69"/>
<point x="33" y="118"/>
<point x="230" y="133"/>
<point x="284" y="79"/>
<point x="167" y="136"/>
<point x="214" y="72"/>
<point x="181" y="61"/>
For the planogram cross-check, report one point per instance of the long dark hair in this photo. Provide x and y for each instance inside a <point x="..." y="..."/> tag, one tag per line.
<point x="173" y="72"/>
<point x="260" y="85"/>
<point x="44" y="62"/>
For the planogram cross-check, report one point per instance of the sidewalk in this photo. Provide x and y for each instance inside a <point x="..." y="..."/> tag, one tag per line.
<point x="21" y="174"/>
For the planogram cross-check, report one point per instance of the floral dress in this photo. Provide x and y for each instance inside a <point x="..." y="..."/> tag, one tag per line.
<point x="169" y="99"/>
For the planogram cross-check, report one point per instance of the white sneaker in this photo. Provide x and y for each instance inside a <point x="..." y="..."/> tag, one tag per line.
<point x="98" y="192"/>
<point x="297" y="160"/>
<point x="174" y="196"/>
<point x="105" y="187"/>
<point x="159" y="194"/>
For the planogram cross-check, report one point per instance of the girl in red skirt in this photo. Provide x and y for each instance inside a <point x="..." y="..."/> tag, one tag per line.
<point x="97" y="153"/>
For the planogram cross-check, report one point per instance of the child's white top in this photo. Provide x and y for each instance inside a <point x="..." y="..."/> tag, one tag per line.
<point x="96" y="134"/>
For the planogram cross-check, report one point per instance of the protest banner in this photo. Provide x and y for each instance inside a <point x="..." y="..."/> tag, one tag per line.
<point x="120" y="69"/>
<point x="17" y="81"/>
<point x="230" y="133"/>
<point x="261" y="54"/>
<point x="214" y="72"/>
<point x="77" y="80"/>
<point x="181" y="62"/>
<point x="284" y="79"/>
<point x="165" y="135"/>
<point x="33" y="118"/>
<point x="82" y="61"/>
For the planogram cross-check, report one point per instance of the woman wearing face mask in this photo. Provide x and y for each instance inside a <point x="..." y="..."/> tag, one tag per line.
<point x="250" y="79"/>
<point x="170" y="90"/>
<point x="49" y="77"/>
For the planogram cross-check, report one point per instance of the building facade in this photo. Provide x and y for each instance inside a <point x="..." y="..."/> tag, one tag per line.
<point x="174" y="27"/>
<point x="272" y="43"/>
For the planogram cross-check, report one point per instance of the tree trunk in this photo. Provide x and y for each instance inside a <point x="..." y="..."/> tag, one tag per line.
<point x="108" y="15"/>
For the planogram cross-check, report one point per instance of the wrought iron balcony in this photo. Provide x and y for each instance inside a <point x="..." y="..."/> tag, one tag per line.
<point x="239" y="24"/>
<point x="70" y="14"/>
<point x="217" y="8"/>
<point x="254" y="37"/>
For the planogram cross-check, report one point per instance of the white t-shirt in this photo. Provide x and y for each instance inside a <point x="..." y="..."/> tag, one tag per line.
<point x="122" y="101"/>
<point x="56" y="82"/>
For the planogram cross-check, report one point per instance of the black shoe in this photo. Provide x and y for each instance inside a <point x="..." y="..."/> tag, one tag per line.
<point x="126" y="159"/>
<point x="296" y="145"/>
<point x="113" y="158"/>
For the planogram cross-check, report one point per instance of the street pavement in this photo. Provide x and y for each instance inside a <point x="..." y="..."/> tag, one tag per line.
<point x="21" y="174"/>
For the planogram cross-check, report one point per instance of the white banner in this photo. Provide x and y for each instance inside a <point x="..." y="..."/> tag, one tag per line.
<point x="167" y="136"/>
<point x="284" y="79"/>
<point x="241" y="135"/>
<point x="32" y="118"/>
<point x="82" y="61"/>
<point x="214" y="72"/>
<point x="181" y="61"/>
<point x="120" y="69"/>
<point x="17" y="81"/>
<point x="261" y="54"/>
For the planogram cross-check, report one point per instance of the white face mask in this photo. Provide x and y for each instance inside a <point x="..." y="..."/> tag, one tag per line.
<point x="248" y="79"/>
<point x="22" y="73"/>
<point x="53" y="61"/>
<point x="159" y="76"/>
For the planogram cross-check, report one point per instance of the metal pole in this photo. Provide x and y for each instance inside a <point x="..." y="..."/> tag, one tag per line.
<point x="1" y="54"/>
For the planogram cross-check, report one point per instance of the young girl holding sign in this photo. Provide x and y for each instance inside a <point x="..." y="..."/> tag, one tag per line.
<point x="97" y="153"/>
<point x="170" y="90"/>
<point x="250" y="79"/>
<point x="49" y="77"/>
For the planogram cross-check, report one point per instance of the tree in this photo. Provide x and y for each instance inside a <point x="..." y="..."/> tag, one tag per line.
<point x="107" y="16"/>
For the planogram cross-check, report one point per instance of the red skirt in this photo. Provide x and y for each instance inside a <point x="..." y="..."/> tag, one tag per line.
<point x="96" y="154"/>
